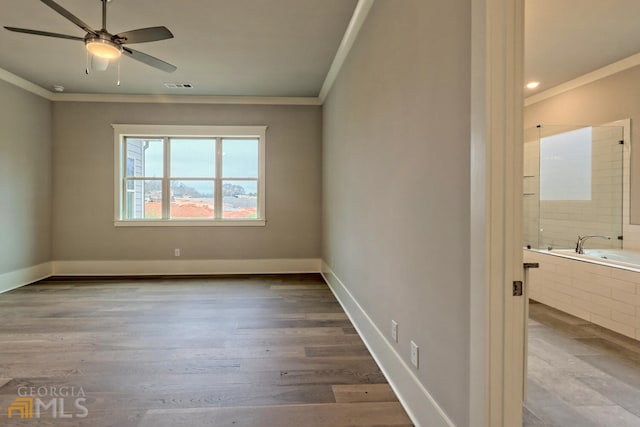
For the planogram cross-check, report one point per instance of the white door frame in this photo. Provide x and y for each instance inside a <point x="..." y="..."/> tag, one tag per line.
<point x="497" y="331"/>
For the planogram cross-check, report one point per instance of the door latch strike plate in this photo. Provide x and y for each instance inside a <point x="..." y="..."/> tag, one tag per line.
<point x="517" y="288"/>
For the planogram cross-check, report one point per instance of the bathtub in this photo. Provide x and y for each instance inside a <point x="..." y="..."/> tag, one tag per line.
<point x="629" y="260"/>
<point x="601" y="286"/>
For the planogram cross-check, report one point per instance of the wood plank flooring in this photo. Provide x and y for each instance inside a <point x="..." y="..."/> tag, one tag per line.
<point x="229" y="351"/>
<point x="580" y="374"/>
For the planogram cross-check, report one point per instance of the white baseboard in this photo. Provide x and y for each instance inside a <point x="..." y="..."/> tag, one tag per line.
<point x="186" y="267"/>
<point x="18" y="278"/>
<point x="419" y="404"/>
<point x="24" y="276"/>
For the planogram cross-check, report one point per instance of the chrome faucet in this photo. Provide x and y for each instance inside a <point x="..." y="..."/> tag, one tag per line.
<point x="582" y="239"/>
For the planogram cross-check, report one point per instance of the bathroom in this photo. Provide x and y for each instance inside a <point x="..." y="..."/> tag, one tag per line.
<point x="593" y="304"/>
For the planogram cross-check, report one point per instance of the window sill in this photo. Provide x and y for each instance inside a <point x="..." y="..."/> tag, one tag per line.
<point x="192" y="223"/>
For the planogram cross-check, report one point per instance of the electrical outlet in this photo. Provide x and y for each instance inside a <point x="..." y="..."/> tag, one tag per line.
<point x="414" y="354"/>
<point x="176" y="252"/>
<point x="394" y="330"/>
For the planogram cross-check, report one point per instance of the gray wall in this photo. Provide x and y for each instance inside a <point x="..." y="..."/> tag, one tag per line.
<point x="25" y="179"/>
<point x="83" y="185"/>
<point x="396" y="184"/>
<point x="606" y="100"/>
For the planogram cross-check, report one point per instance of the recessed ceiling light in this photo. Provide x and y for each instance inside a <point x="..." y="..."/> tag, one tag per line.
<point x="58" y="88"/>
<point x="533" y="85"/>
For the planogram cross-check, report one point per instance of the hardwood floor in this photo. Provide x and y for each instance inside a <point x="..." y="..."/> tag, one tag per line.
<point x="580" y="374"/>
<point x="230" y="351"/>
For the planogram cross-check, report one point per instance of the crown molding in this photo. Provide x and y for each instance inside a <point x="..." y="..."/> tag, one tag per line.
<point x="359" y="15"/>
<point x="185" y="99"/>
<point x="601" y="73"/>
<point x="154" y="99"/>
<point x="24" y="84"/>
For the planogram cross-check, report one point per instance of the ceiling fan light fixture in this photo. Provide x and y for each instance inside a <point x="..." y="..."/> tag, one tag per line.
<point x="101" y="48"/>
<point x="99" y="64"/>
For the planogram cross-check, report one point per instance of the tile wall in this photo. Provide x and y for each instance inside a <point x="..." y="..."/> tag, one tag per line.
<point x="606" y="296"/>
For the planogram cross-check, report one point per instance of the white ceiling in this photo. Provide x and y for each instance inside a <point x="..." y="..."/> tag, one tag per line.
<point x="566" y="39"/>
<point x="279" y="48"/>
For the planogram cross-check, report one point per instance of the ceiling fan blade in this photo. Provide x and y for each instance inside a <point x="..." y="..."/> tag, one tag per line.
<point x="70" y="16"/>
<point x="43" y="33"/>
<point x="149" y="60"/>
<point x="144" y="35"/>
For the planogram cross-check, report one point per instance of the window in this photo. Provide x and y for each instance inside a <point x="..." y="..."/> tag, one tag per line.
<point x="189" y="175"/>
<point x="565" y="166"/>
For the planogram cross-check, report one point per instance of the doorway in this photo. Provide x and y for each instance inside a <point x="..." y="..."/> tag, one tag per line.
<point x="575" y="366"/>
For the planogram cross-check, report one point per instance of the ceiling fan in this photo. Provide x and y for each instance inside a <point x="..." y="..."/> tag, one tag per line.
<point x="103" y="45"/>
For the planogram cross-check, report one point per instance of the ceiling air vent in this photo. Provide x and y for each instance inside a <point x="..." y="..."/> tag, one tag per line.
<point x="179" y="85"/>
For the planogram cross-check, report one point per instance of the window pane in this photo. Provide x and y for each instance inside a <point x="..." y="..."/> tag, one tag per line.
<point x="130" y="204"/>
<point x="192" y="199"/>
<point x="143" y="199"/>
<point x="240" y="158"/>
<point x="153" y="199"/>
<point x="144" y="158"/>
<point x="565" y="166"/>
<point x="240" y="199"/>
<point x="193" y="158"/>
<point x="131" y="166"/>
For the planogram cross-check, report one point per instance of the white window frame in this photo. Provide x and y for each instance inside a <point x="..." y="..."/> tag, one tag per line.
<point x="121" y="131"/>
